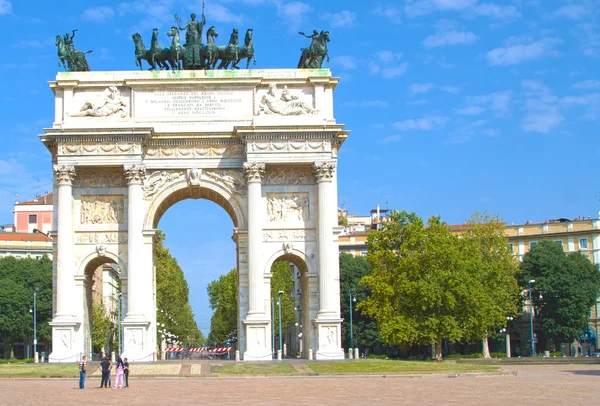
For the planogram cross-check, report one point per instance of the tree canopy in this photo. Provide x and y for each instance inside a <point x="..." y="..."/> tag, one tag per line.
<point x="428" y="284"/>
<point x="364" y="328"/>
<point x="102" y="327"/>
<point x="565" y="288"/>
<point x="223" y="297"/>
<point x="281" y="280"/>
<point x="172" y="295"/>
<point x="18" y="279"/>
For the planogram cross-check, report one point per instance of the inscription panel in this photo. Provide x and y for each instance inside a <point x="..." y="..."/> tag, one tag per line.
<point x="206" y="103"/>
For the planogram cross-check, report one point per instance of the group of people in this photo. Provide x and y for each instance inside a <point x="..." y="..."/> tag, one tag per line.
<point x="121" y="375"/>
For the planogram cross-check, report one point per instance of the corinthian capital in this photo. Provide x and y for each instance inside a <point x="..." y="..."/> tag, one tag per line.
<point x="255" y="172"/>
<point x="65" y="174"/>
<point x="324" y="171"/>
<point x="135" y="173"/>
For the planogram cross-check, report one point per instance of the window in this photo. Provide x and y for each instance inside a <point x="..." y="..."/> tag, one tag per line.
<point x="559" y="242"/>
<point x="511" y="247"/>
<point x="33" y="219"/>
<point x="532" y="244"/>
<point x="363" y="254"/>
<point x="583" y="243"/>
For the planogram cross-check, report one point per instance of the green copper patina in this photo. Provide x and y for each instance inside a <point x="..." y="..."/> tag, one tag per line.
<point x="71" y="59"/>
<point x="156" y="55"/>
<point x="313" y="56"/>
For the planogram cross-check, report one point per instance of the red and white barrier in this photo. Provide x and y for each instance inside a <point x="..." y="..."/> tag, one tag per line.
<point x="220" y="350"/>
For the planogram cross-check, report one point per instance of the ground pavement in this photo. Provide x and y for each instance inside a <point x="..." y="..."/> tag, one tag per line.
<point x="532" y="385"/>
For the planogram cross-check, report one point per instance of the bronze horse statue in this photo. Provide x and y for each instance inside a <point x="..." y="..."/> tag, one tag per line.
<point x="71" y="61"/>
<point x="162" y="58"/>
<point x="312" y="57"/>
<point x="244" y="52"/>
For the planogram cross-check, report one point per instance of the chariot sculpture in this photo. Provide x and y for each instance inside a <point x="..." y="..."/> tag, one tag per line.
<point x="71" y="59"/>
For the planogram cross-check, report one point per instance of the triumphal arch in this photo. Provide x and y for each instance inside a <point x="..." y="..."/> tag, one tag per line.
<point x="262" y="144"/>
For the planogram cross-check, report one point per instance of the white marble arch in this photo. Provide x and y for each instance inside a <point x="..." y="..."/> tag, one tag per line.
<point x="195" y="135"/>
<point x="88" y="265"/>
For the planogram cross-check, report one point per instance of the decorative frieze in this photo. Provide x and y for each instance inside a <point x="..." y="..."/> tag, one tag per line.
<point x="64" y="174"/>
<point x="158" y="180"/>
<point x="96" y="178"/>
<point x="298" y="234"/>
<point x="99" y="149"/>
<point x="289" y="146"/>
<point x="135" y="173"/>
<point x="288" y="206"/>
<point x="231" y="179"/>
<point x="102" y="209"/>
<point x="324" y="171"/>
<point x="102" y="238"/>
<point x="210" y="151"/>
<point x="254" y="171"/>
<point x="289" y="176"/>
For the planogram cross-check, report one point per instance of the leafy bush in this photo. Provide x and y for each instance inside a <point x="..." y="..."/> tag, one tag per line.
<point x="498" y="354"/>
<point x="375" y="356"/>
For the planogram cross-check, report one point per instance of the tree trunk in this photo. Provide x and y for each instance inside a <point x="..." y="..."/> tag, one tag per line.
<point x="486" y="348"/>
<point x="438" y="350"/>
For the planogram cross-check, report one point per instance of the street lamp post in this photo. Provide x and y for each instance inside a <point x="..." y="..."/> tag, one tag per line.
<point x="273" y="326"/>
<point x="506" y="331"/>
<point x="35" y="354"/>
<point x="351" y="299"/>
<point x="279" y="310"/>
<point x="531" y="317"/>
<point x="119" y="320"/>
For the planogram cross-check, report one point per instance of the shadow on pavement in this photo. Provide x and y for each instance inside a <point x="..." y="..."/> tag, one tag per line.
<point x="586" y="372"/>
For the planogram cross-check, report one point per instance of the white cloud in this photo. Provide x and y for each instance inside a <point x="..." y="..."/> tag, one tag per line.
<point x="449" y="38"/>
<point x="590" y="39"/>
<point x="294" y="9"/>
<point x="393" y="71"/>
<point x="587" y="84"/>
<point x="221" y="14"/>
<point x="425" y="123"/>
<point x="390" y="138"/>
<point x="392" y="13"/>
<point x="491" y="132"/>
<point x="515" y="54"/>
<point x="342" y="19"/>
<point x="386" y="56"/>
<point x="5" y="7"/>
<point x="542" y="112"/>
<point x="471" y="110"/>
<point x="418" y="88"/>
<point x="572" y="11"/>
<point x="384" y="64"/>
<point x="348" y="62"/>
<point x="416" y="8"/>
<point x="450" y="89"/>
<point x="98" y="14"/>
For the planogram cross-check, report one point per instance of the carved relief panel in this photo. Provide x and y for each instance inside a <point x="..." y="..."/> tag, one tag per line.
<point x="288" y="206"/>
<point x="290" y="176"/>
<point x="98" y="178"/>
<point x="102" y="209"/>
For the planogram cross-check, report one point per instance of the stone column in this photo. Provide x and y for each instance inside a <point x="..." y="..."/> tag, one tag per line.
<point x="324" y="175"/>
<point x="65" y="262"/>
<point x="254" y="174"/>
<point x="135" y="242"/>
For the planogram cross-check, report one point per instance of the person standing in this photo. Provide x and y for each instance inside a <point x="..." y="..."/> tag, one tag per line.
<point x="106" y="367"/>
<point x="126" y="372"/>
<point x="119" y="374"/>
<point x="82" y="372"/>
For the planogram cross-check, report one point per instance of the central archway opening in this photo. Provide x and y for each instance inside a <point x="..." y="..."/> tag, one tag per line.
<point x="198" y="225"/>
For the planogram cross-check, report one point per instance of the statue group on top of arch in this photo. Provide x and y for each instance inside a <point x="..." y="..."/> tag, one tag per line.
<point x="195" y="54"/>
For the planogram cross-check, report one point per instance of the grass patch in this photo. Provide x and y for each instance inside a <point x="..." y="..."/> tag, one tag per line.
<point x="391" y="366"/>
<point x="253" y="369"/>
<point x="39" y="370"/>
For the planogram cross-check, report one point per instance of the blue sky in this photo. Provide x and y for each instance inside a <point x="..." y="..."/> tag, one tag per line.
<point x="454" y="105"/>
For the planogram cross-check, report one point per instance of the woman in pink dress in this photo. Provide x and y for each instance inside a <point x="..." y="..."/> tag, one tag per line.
<point x="119" y="375"/>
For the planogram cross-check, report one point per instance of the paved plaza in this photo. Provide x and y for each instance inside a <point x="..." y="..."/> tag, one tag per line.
<point x="533" y="385"/>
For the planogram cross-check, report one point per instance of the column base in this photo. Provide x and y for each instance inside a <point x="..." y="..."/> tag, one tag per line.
<point x="329" y="339"/>
<point x="65" y="337"/>
<point x="138" y="345"/>
<point x="258" y="340"/>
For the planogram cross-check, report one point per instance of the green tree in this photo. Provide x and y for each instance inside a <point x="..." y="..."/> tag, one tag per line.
<point x="420" y="285"/>
<point x="18" y="279"/>
<point x="364" y="329"/>
<point x="281" y="281"/>
<point x="172" y="295"/>
<point x="223" y="298"/>
<point x="496" y="292"/>
<point x="565" y="288"/>
<point x="102" y="327"/>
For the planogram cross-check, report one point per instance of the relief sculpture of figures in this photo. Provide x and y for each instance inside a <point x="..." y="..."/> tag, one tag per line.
<point x="99" y="210"/>
<point x="283" y="207"/>
<point x="112" y="104"/>
<point x="71" y="59"/>
<point x="313" y="56"/>
<point x="285" y="104"/>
